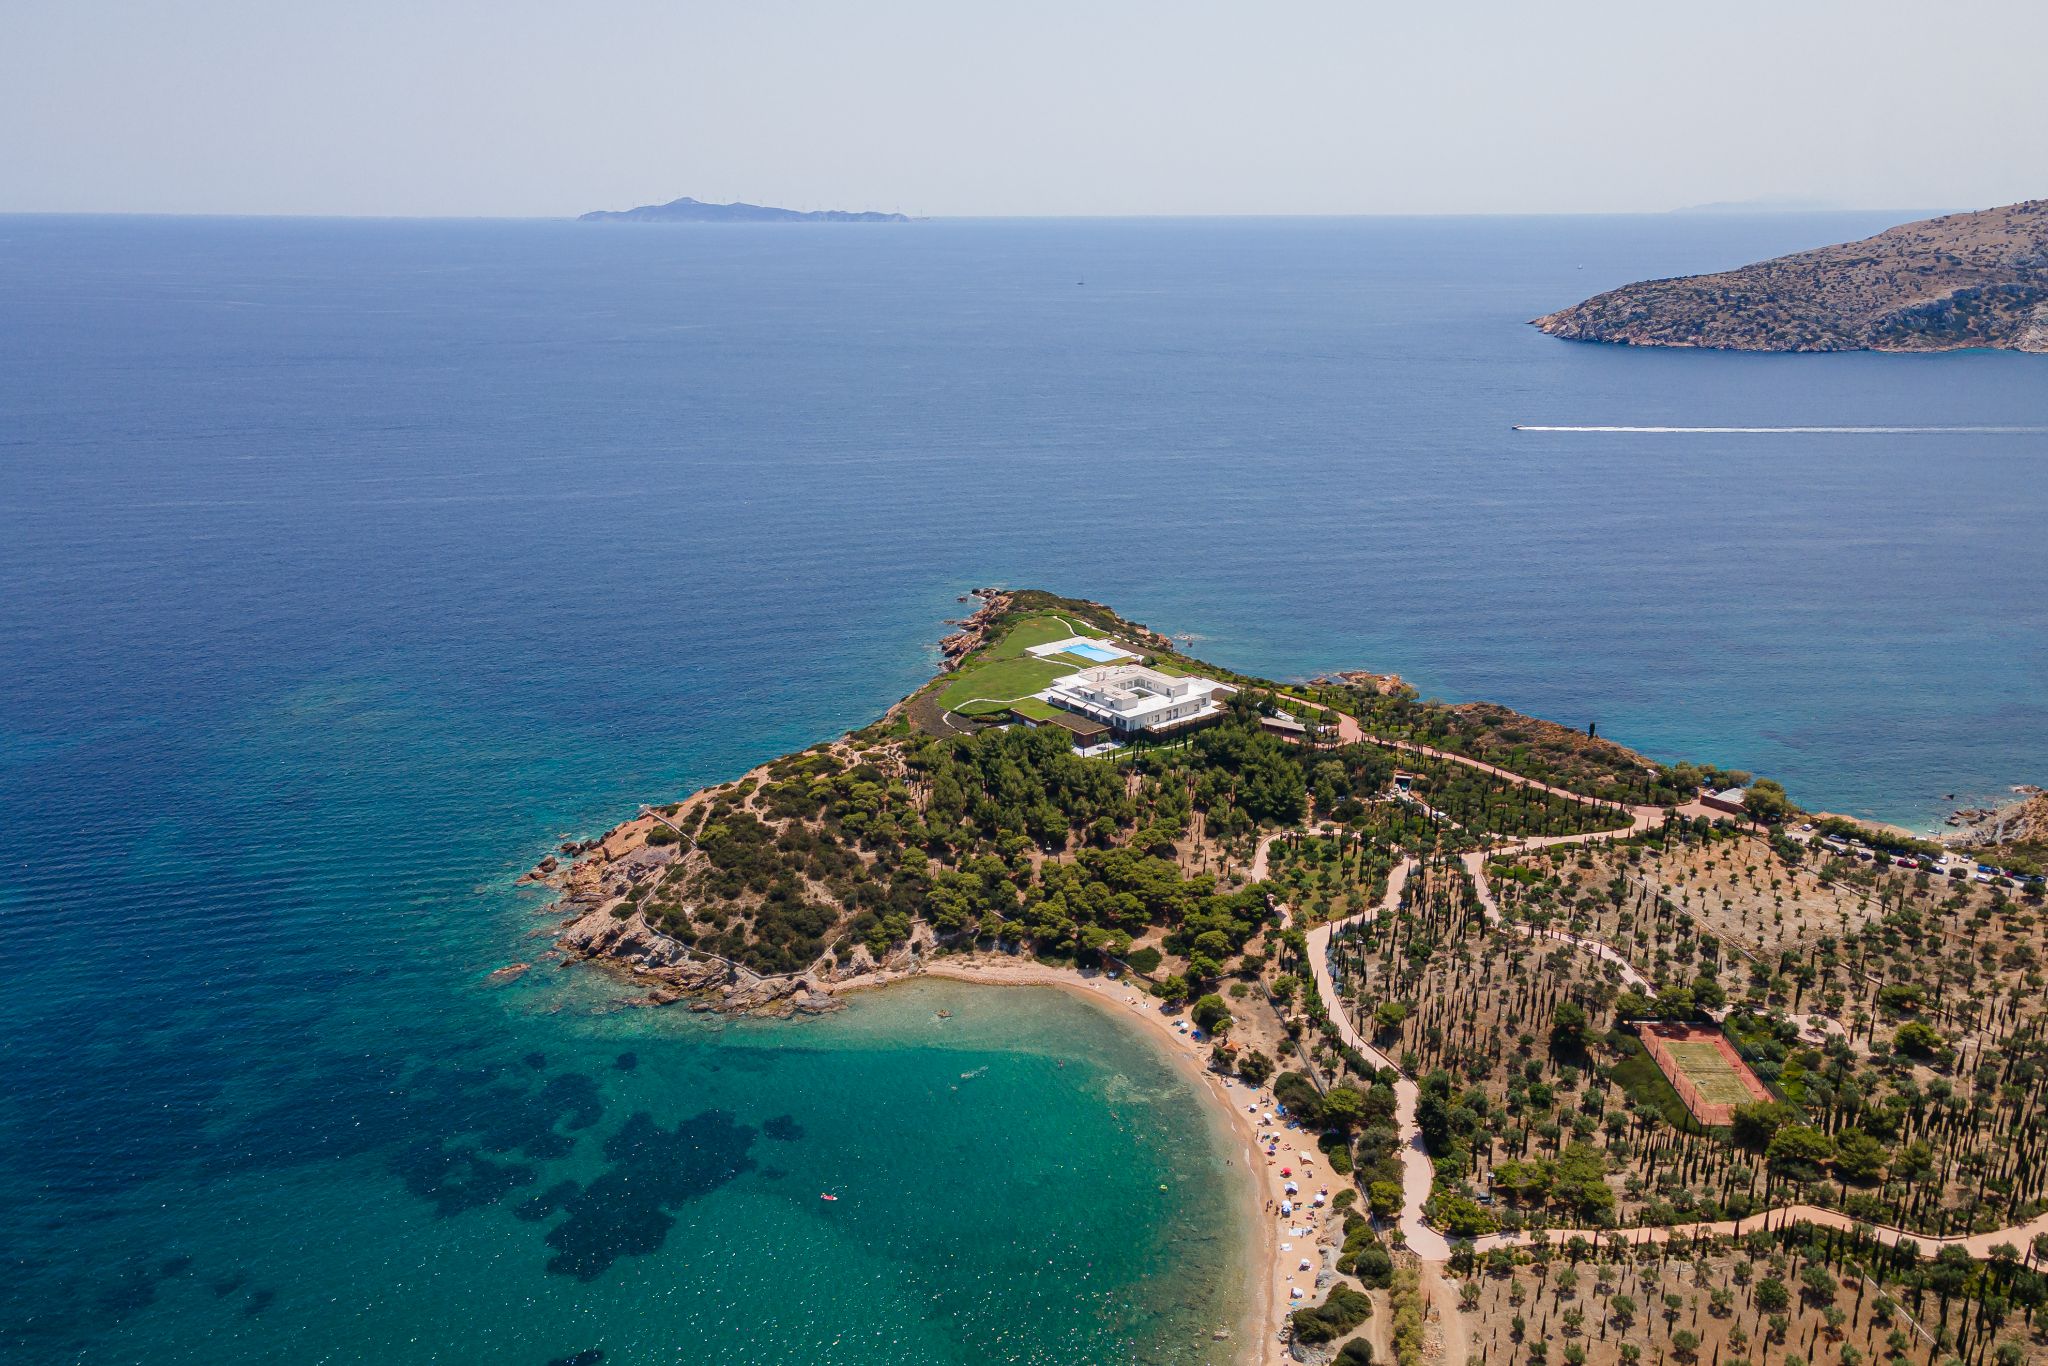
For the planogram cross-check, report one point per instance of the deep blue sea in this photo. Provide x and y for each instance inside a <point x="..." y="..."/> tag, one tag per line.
<point x="348" y="566"/>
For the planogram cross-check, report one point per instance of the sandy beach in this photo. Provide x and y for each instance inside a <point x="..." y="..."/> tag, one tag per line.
<point x="1277" y="1252"/>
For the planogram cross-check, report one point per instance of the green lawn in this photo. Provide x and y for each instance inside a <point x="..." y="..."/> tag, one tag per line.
<point x="1040" y="629"/>
<point x="999" y="679"/>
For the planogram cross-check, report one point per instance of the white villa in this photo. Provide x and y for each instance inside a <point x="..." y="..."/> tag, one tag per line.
<point x="1130" y="698"/>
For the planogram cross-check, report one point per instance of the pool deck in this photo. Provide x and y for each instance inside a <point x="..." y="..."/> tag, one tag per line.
<point x="1102" y="652"/>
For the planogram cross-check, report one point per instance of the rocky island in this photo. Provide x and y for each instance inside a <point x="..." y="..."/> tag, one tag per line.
<point x="688" y="210"/>
<point x="1941" y="284"/>
<point x="1481" y="996"/>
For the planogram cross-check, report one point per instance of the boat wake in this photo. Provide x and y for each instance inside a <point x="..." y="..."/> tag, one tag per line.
<point x="1798" y="431"/>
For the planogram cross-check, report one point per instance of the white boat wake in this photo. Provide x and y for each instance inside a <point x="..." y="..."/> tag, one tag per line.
<point x="1800" y="431"/>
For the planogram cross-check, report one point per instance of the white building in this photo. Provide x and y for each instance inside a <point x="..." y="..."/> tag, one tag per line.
<point x="1130" y="698"/>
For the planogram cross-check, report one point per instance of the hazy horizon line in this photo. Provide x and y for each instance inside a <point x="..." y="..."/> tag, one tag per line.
<point x="1698" y="211"/>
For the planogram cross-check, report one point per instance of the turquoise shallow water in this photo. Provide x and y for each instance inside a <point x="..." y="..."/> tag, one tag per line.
<point x="349" y="566"/>
<point x="650" y="1186"/>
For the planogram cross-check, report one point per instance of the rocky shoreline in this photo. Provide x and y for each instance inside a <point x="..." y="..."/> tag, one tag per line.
<point x="974" y="629"/>
<point x="595" y="876"/>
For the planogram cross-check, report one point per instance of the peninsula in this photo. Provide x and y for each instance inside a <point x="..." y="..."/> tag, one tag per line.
<point x="1942" y="284"/>
<point x="1510" y="1022"/>
<point x="688" y="210"/>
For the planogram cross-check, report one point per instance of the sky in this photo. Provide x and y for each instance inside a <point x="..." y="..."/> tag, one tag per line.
<point x="963" y="107"/>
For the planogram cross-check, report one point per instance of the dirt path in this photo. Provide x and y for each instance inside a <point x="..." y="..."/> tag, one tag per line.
<point x="1978" y="1245"/>
<point x="1453" y="1340"/>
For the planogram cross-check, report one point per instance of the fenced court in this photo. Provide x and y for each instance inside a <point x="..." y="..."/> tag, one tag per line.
<point x="1704" y="1068"/>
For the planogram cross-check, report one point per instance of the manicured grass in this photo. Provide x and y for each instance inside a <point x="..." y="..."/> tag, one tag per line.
<point x="1039" y="629"/>
<point x="1000" y="680"/>
<point x="1708" y="1069"/>
<point x="1035" y="709"/>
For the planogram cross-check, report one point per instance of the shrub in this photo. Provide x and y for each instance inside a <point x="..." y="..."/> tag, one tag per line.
<point x="1343" y="1311"/>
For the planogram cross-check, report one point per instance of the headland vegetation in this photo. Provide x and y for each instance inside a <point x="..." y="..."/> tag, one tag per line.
<point x="1478" y="992"/>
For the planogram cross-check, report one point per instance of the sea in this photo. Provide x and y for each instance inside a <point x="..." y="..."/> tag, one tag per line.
<point x="348" y="567"/>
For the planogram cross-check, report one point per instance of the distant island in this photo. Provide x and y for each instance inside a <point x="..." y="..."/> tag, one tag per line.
<point x="688" y="210"/>
<point x="1941" y="284"/>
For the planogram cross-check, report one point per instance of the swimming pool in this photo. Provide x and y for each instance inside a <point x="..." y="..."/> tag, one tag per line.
<point x="1099" y="653"/>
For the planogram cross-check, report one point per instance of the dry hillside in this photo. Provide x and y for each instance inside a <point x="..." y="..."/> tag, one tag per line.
<point x="1961" y="280"/>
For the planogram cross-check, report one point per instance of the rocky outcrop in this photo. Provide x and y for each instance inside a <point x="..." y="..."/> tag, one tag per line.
<point x="973" y="632"/>
<point x="1386" y="685"/>
<point x="1962" y="280"/>
<point x="2017" y="826"/>
<point x="672" y="971"/>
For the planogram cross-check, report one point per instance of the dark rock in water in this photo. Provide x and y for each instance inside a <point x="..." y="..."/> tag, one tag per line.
<point x="259" y="1300"/>
<point x="589" y="1356"/>
<point x="783" y="1129"/>
<point x="229" y="1284"/>
<point x="174" y="1266"/>
<point x="456" y="1178"/>
<point x="555" y="1197"/>
<point x="536" y="1061"/>
<point x="126" y="1293"/>
<point x="625" y="1211"/>
<point x="626" y="1062"/>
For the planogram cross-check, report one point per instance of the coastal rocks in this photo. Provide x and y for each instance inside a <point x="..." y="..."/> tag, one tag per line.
<point x="672" y="972"/>
<point x="901" y="960"/>
<point x="541" y="871"/>
<point x="778" y="998"/>
<point x="2021" y="821"/>
<point x="634" y="944"/>
<point x="622" y="874"/>
<point x="510" y="972"/>
<point x="620" y="840"/>
<point x="974" y="630"/>
<point x="1386" y="685"/>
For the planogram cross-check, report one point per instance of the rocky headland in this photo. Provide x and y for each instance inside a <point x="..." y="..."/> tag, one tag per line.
<point x="1941" y="284"/>
<point x="935" y="832"/>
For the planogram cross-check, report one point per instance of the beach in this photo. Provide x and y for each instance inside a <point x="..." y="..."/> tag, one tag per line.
<point x="1273" y="1254"/>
